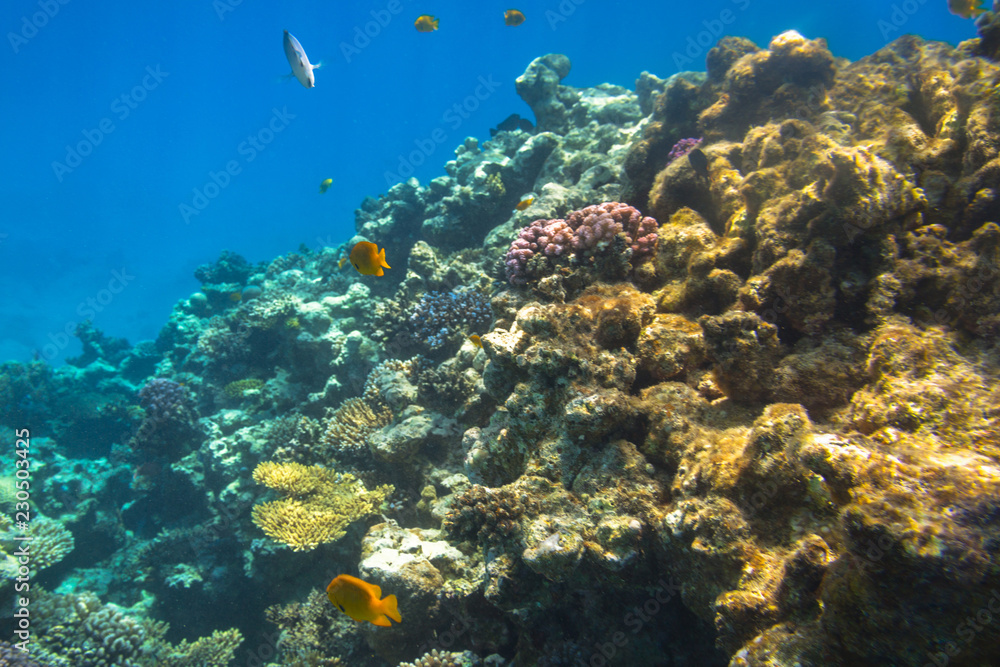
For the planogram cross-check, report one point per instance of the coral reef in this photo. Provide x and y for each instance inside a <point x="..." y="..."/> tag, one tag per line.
<point x="745" y="418"/>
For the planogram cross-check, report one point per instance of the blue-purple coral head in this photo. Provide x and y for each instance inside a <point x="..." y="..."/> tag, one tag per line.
<point x="682" y="148"/>
<point x="162" y="398"/>
<point x="586" y="232"/>
<point x="443" y="317"/>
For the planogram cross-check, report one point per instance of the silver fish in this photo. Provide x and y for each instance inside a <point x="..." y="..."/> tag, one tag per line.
<point x="299" y="61"/>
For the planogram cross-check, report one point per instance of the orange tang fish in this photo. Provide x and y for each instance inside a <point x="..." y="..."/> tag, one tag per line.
<point x="360" y="600"/>
<point x="368" y="259"/>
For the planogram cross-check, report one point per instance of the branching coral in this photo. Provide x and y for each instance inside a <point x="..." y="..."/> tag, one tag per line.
<point x="349" y="426"/>
<point x="319" y="506"/>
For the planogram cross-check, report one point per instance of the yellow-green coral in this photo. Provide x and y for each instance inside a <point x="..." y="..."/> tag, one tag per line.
<point x="353" y="421"/>
<point x="241" y="388"/>
<point x="319" y="505"/>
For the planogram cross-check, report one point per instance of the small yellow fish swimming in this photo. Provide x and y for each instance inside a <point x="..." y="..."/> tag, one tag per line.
<point x="360" y="600"/>
<point x="476" y="340"/>
<point x="325" y="185"/>
<point x="967" y="9"/>
<point x="524" y="203"/>
<point x="513" y="17"/>
<point x="368" y="259"/>
<point x="342" y="262"/>
<point x="426" y="23"/>
<point x="235" y="297"/>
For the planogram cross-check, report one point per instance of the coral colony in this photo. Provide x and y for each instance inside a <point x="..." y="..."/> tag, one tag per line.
<point x="771" y="390"/>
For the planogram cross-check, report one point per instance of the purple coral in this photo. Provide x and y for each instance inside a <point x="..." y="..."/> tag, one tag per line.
<point x="170" y="426"/>
<point x="549" y="237"/>
<point x="586" y="231"/>
<point x="163" y="399"/>
<point x="682" y="148"/>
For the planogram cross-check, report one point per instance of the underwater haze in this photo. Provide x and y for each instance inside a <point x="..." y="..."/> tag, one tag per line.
<point x="120" y="114"/>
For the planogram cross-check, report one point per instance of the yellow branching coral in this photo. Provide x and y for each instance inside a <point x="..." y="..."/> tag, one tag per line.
<point x="353" y="421"/>
<point x="319" y="506"/>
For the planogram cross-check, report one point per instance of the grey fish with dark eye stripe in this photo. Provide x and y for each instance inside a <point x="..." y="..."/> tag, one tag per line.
<point x="299" y="61"/>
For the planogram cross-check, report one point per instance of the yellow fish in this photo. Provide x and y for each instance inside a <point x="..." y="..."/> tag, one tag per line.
<point x="426" y="23"/>
<point x="513" y="17"/>
<point x="368" y="259"/>
<point x="524" y="203"/>
<point x="342" y="262"/>
<point x="325" y="185"/>
<point x="360" y="600"/>
<point x="235" y="297"/>
<point x="476" y="340"/>
<point x="967" y="9"/>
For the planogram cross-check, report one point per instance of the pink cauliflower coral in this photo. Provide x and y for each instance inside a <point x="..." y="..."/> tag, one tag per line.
<point x="587" y="231"/>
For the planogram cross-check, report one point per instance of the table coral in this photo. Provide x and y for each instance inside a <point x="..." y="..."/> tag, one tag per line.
<point x="319" y="505"/>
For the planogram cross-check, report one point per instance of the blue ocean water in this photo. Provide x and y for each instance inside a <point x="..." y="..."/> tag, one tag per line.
<point x="141" y="139"/>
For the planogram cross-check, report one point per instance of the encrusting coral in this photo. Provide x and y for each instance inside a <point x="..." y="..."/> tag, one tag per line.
<point x="319" y="506"/>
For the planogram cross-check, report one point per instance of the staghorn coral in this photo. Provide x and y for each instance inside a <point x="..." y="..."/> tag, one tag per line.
<point x="319" y="506"/>
<point x="348" y="428"/>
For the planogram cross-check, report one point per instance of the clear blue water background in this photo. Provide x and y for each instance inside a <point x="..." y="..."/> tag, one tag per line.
<point x="63" y="235"/>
